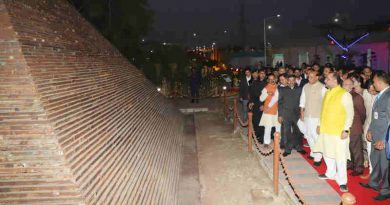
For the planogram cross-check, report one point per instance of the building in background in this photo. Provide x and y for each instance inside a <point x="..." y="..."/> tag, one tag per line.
<point x="373" y="51"/>
<point x="251" y="59"/>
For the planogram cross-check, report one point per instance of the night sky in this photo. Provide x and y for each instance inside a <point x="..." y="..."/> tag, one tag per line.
<point x="177" y="20"/>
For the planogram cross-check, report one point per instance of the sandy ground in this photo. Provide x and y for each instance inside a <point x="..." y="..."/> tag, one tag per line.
<point x="228" y="173"/>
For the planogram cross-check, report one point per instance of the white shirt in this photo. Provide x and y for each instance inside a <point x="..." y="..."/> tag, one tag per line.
<point x="381" y="92"/>
<point x="248" y="79"/>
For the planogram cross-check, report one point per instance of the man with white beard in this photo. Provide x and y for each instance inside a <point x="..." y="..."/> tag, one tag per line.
<point x="311" y="105"/>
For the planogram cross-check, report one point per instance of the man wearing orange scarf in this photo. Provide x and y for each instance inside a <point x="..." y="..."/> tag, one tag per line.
<point x="269" y="96"/>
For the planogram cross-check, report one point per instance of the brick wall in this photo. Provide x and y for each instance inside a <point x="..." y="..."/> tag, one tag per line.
<point x="78" y="123"/>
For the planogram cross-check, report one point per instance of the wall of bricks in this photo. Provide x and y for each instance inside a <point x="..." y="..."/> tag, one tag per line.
<point x="78" y="123"/>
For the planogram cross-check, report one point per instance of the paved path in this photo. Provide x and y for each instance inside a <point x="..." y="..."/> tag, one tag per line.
<point x="228" y="173"/>
<point x="302" y="176"/>
<point x="189" y="187"/>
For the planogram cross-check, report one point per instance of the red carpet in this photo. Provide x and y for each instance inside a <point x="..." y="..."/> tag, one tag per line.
<point x="363" y="195"/>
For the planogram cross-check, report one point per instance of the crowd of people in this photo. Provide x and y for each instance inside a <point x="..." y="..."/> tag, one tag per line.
<point x="343" y="114"/>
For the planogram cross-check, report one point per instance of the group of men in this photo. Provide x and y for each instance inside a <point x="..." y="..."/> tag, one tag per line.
<point x="343" y="115"/>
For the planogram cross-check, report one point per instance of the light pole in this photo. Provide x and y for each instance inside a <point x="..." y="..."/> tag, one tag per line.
<point x="265" y="37"/>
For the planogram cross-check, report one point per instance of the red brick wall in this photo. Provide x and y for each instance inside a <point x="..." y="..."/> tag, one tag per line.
<point x="85" y="124"/>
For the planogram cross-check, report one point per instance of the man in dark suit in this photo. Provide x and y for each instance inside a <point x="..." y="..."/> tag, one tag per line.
<point x="195" y="80"/>
<point x="244" y="92"/>
<point x="376" y="134"/>
<point x="288" y="115"/>
<point x="254" y="103"/>
<point x="299" y="78"/>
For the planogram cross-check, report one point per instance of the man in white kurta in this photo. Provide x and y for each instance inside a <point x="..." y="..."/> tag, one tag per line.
<point x="335" y="123"/>
<point x="311" y="105"/>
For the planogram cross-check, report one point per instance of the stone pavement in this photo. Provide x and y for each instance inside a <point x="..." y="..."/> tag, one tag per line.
<point x="189" y="187"/>
<point x="228" y="173"/>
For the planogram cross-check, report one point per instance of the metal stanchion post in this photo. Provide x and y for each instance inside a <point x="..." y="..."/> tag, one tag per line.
<point x="225" y="101"/>
<point x="276" y="162"/>
<point x="250" y="131"/>
<point x="235" y="115"/>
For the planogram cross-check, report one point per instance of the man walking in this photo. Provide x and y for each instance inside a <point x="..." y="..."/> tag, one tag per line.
<point x="288" y="113"/>
<point x="269" y="96"/>
<point x="195" y="80"/>
<point x="379" y="177"/>
<point x="244" y="92"/>
<point x="356" y="144"/>
<point x="254" y="104"/>
<point x="335" y="123"/>
<point x="311" y="105"/>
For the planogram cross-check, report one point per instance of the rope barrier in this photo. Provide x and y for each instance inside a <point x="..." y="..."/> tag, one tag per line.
<point x="264" y="150"/>
<point x="273" y="148"/>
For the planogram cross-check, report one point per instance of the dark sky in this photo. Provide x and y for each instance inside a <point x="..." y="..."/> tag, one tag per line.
<point x="176" y="20"/>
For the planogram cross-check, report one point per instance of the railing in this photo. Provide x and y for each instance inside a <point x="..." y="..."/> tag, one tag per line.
<point x="346" y="199"/>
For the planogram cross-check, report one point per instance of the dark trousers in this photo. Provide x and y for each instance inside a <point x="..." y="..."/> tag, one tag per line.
<point x="195" y="93"/>
<point x="380" y="171"/>
<point x="259" y="131"/>
<point x="356" y="150"/>
<point x="292" y="135"/>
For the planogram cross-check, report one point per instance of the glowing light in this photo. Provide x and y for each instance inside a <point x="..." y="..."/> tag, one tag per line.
<point x="349" y="45"/>
<point x="357" y="40"/>
<point x="224" y="88"/>
<point x="269" y="26"/>
<point x="158" y="89"/>
<point x="337" y="43"/>
<point x="278" y="15"/>
<point x="336" y="20"/>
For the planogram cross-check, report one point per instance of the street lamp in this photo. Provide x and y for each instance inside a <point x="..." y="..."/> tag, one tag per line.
<point x="265" y="35"/>
<point x="336" y="20"/>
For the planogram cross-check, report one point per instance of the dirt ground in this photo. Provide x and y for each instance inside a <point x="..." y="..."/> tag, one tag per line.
<point x="228" y="173"/>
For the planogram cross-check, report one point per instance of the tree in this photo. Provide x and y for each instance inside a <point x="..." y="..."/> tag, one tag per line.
<point x="124" y="23"/>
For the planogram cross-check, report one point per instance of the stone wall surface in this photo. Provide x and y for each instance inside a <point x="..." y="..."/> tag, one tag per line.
<point x="78" y="123"/>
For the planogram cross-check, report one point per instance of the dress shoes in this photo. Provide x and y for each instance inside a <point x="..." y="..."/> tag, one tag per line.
<point x="302" y="151"/>
<point x="343" y="188"/>
<point x="310" y="157"/>
<point x="323" y="176"/>
<point x="317" y="164"/>
<point x="367" y="186"/>
<point x="381" y="197"/>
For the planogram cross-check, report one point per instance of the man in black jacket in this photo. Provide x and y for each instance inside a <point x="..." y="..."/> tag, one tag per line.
<point x="299" y="78"/>
<point x="288" y="115"/>
<point x="244" y="92"/>
<point x="254" y="103"/>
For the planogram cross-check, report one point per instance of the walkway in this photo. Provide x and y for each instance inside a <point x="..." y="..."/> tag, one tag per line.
<point x="228" y="173"/>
